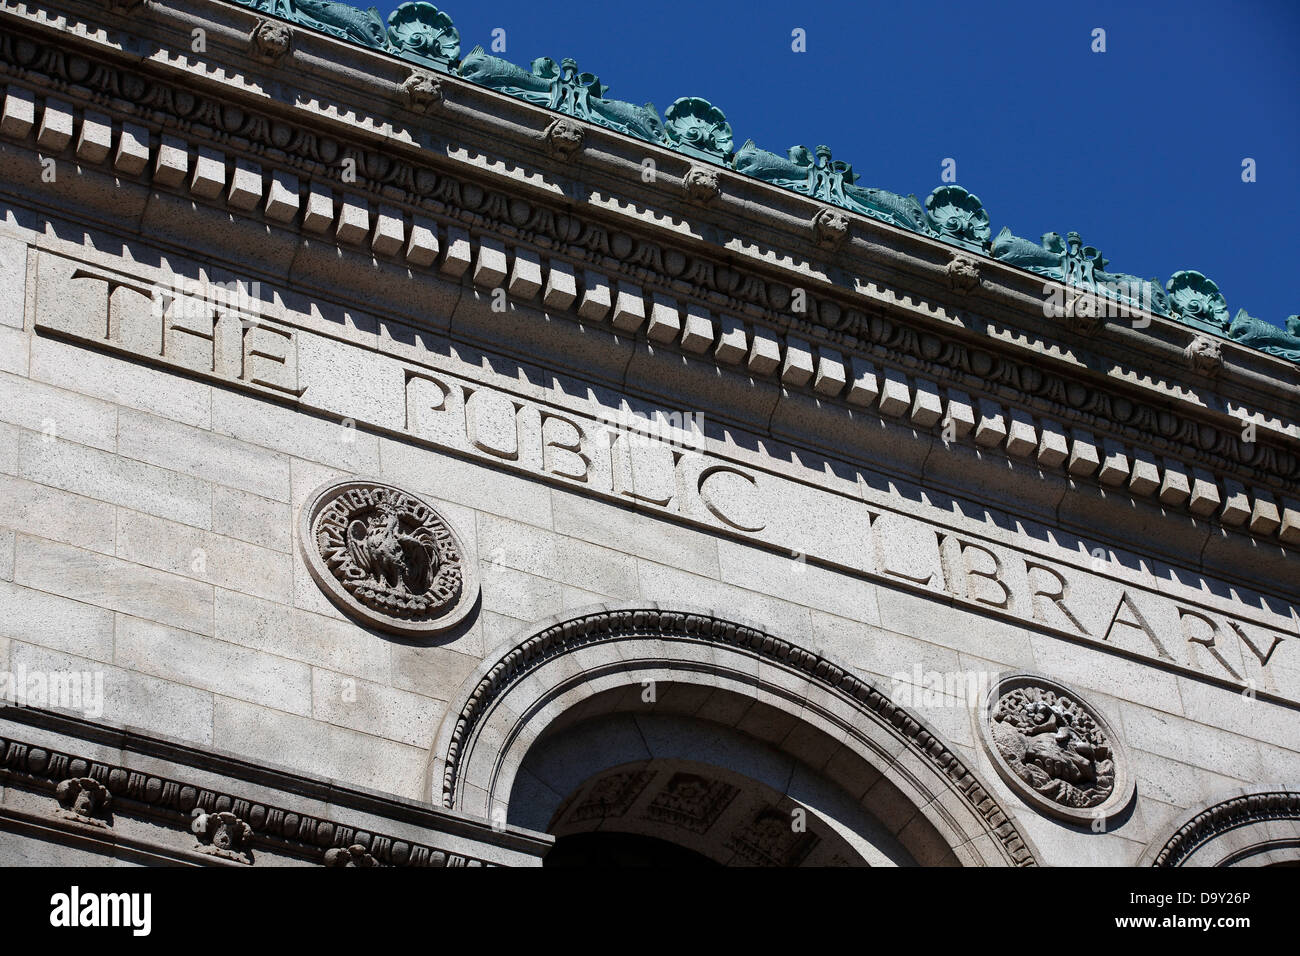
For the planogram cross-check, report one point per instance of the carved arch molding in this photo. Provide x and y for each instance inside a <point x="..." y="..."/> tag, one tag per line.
<point x="1247" y="827"/>
<point x="573" y="669"/>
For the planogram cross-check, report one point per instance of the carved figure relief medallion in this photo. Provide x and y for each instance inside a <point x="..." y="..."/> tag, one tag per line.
<point x="386" y="557"/>
<point x="1054" y="750"/>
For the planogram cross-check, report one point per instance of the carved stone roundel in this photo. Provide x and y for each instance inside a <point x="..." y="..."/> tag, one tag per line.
<point x="1055" y="750"/>
<point x="386" y="557"/>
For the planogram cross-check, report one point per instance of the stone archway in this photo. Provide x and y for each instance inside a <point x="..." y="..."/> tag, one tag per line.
<point x="678" y="773"/>
<point x="736" y="680"/>
<point x="1243" y="827"/>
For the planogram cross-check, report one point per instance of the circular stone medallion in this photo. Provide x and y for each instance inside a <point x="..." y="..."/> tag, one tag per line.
<point x="1055" y="750"/>
<point x="386" y="558"/>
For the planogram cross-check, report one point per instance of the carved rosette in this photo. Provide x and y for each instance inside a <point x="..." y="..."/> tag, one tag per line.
<point x="270" y="40"/>
<point x="386" y="558"/>
<point x="1055" y="750"/>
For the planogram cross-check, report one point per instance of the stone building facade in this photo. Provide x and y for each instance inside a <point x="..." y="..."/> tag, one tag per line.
<point x="407" y="461"/>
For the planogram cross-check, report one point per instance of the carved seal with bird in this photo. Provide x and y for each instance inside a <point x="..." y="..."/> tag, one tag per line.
<point x="379" y="546"/>
<point x="386" y="557"/>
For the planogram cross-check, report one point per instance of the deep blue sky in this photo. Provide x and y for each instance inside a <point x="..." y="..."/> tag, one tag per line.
<point x="1139" y="149"/>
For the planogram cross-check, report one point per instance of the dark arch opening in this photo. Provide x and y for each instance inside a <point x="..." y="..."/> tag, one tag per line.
<point x="693" y="784"/>
<point x="613" y="850"/>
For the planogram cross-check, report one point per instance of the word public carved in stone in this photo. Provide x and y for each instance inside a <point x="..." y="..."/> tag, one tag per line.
<point x="1054" y="750"/>
<point x="1181" y="441"/>
<point x="386" y="557"/>
<point x="206" y="331"/>
<point x="654" y="464"/>
<point x="677" y="474"/>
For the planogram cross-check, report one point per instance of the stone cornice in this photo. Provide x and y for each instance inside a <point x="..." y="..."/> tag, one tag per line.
<point x="418" y="32"/>
<point x="373" y="84"/>
<point x="286" y="830"/>
<point x="1067" y="407"/>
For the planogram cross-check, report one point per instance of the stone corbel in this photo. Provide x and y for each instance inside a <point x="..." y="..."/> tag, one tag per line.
<point x="830" y="228"/>
<point x="963" y="273"/>
<point x="270" y="40"/>
<point x="423" y="91"/>
<point x="1204" y="355"/>
<point x="564" y="138"/>
<point x="1083" y="314"/>
<point x="702" y="184"/>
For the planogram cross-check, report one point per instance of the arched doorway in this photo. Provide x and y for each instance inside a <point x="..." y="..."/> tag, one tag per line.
<point x="688" y="701"/>
<point x="688" y="780"/>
